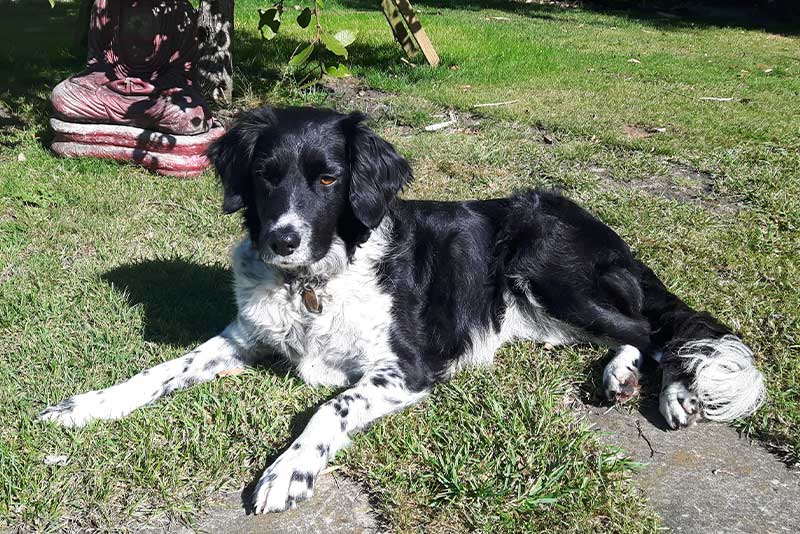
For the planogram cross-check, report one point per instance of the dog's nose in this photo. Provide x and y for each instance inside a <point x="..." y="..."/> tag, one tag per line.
<point x="284" y="241"/>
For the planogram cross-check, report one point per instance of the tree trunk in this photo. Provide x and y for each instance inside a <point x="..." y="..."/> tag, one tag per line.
<point x="82" y="25"/>
<point x="214" y="64"/>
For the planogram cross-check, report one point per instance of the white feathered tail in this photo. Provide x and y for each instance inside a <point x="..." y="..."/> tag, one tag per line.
<point x="725" y="377"/>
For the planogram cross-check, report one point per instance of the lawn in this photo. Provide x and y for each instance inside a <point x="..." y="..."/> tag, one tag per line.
<point x="106" y="269"/>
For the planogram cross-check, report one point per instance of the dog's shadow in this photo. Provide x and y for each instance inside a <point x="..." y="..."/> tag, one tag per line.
<point x="184" y="303"/>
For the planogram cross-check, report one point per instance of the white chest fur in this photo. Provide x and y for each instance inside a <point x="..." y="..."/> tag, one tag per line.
<point x="336" y="345"/>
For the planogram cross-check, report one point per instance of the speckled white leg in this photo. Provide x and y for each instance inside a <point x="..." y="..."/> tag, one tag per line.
<point x="290" y="479"/>
<point x="220" y="353"/>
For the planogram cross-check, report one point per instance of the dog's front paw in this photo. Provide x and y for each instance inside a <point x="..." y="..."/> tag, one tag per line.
<point x="621" y="375"/>
<point x="679" y="405"/>
<point x="76" y="411"/>
<point x="285" y="483"/>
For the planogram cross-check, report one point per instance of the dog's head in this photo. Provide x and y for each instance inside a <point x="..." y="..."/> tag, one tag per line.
<point x="305" y="177"/>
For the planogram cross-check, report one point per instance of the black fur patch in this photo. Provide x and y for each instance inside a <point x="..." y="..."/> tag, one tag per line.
<point x="379" y="381"/>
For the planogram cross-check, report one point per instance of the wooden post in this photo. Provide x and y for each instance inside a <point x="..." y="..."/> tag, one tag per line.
<point x="395" y="20"/>
<point x="394" y="10"/>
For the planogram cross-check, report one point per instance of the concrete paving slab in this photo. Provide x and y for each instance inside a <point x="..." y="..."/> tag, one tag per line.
<point x="705" y="479"/>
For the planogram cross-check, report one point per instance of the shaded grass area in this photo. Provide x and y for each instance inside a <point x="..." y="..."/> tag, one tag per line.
<point x="106" y="269"/>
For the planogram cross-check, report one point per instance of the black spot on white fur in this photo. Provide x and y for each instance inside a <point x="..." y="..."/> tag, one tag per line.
<point x="379" y="381"/>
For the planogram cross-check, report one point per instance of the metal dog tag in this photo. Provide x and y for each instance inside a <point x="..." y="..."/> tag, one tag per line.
<point x="311" y="300"/>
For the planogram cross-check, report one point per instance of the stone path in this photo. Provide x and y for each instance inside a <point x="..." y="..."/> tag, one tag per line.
<point x="705" y="479"/>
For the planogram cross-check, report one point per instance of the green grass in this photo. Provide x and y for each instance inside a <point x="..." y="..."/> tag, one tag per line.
<point x="105" y="269"/>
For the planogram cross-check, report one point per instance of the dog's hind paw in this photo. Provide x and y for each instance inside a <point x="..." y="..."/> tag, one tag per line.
<point x="621" y="375"/>
<point x="679" y="405"/>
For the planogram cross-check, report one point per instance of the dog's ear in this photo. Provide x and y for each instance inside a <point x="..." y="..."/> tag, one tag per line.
<point x="232" y="155"/>
<point x="377" y="171"/>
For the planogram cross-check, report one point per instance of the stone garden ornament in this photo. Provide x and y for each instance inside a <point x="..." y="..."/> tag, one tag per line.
<point x="137" y="99"/>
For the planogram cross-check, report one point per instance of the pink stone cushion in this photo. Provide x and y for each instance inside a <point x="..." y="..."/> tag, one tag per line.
<point x="169" y="154"/>
<point x="139" y="69"/>
<point x="94" y="98"/>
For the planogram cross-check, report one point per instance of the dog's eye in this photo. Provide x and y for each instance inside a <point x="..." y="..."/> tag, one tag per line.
<point x="327" y="179"/>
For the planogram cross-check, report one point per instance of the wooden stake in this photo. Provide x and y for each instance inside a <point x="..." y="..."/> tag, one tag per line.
<point x="395" y="20"/>
<point x="404" y="6"/>
<point x="402" y="19"/>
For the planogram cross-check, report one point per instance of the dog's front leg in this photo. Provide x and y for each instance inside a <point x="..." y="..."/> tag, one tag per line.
<point x="291" y="477"/>
<point x="226" y="351"/>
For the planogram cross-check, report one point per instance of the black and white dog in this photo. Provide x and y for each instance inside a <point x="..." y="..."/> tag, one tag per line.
<point x="388" y="297"/>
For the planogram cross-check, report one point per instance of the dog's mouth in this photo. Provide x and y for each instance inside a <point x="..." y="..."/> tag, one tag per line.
<point x="288" y="263"/>
<point x="327" y="264"/>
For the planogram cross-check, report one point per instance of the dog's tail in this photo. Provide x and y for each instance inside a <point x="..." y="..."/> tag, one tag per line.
<point x="696" y="347"/>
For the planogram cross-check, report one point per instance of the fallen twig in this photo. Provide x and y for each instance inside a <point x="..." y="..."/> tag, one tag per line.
<point x="717" y="98"/>
<point x="641" y="435"/>
<point x="495" y="104"/>
<point x="439" y="125"/>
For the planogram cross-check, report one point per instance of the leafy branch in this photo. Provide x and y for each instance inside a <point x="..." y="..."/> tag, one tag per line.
<point x="324" y="51"/>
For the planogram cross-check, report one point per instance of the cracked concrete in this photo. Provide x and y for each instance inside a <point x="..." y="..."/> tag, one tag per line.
<point x="705" y="479"/>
